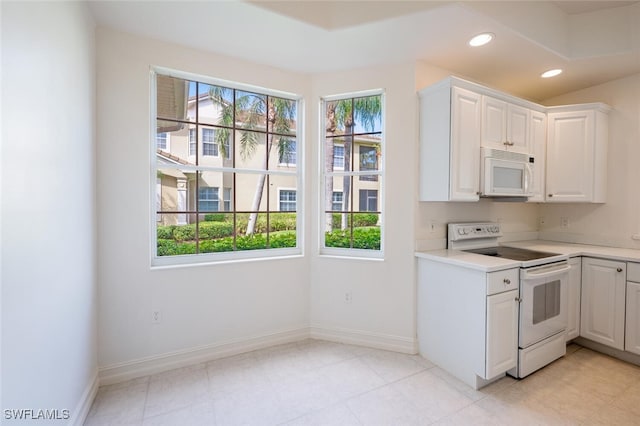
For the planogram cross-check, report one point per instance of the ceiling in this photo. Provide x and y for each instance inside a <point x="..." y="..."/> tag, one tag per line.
<point x="593" y="41"/>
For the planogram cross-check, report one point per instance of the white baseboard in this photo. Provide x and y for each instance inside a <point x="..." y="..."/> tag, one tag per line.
<point x="79" y="415"/>
<point x="121" y="372"/>
<point x="365" y="338"/>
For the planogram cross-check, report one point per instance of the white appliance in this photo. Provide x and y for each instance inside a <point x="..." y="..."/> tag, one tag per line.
<point x="543" y="293"/>
<point x="505" y="173"/>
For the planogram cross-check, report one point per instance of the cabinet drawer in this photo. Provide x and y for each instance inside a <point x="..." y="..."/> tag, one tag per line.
<point x="500" y="281"/>
<point x="633" y="272"/>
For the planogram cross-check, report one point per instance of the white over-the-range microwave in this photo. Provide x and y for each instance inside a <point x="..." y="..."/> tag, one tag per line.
<point x="505" y="173"/>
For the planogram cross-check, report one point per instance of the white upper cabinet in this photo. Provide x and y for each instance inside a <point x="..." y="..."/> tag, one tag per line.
<point x="577" y="153"/>
<point x="505" y="125"/>
<point x="449" y="143"/>
<point x="538" y="140"/>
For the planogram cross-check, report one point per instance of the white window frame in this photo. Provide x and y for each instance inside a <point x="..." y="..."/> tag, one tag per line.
<point x="167" y="142"/>
<point x="212" y="143"/>
<point x="280" y="191"/>
<point x="194" y="130"/>
<point x="334" y="158"/>
<point x="156" y="261"/>
<point x="352" y="252"/>
<point x="288" y="163"/>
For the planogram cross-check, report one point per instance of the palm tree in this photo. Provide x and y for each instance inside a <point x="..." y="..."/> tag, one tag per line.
<point x="255" y="111"/>
<point x="345" y="113"/>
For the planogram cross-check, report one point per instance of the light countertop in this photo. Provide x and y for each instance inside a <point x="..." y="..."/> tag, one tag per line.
<point x="490" y="264"/>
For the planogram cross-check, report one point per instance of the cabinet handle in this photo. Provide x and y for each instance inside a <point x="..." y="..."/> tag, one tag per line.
<point x="506" y="281"/>
<point x="518" y="299"/>
<point x="550" y="195"/>
<point x="619" y="269"/>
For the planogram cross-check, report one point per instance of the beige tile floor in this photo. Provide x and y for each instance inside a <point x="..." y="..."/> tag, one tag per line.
<point x="322" y="383"/>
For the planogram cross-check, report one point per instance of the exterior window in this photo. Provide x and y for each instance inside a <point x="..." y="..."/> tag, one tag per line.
<point x="288" y="154"/>
<point x="209" y="145"/>
<point x="338" y="157"/>
<point x="192" y="142"/>
<point x="368" y="200"/>
<point x="208" y="200"/>
<point x="162" y="141"/>
<point x="287" y="200"/>
<point x="219" y="175"/>
<point x="353" y="177"/>
<point x="227" y="199"/>
<point x="368" y="161"/>
<point x="336" y="204"/>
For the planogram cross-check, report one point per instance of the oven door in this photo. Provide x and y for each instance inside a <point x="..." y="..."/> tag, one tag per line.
<point x="543" y="302"/>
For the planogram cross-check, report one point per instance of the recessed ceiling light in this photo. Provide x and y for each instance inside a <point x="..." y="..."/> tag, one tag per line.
<point x="551" y="73"/>
<point x="481" y="39"/>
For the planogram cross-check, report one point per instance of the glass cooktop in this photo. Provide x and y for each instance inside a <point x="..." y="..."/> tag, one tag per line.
<point x="512" y="253"/>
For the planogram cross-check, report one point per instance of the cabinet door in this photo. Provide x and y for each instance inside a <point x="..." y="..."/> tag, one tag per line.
<point x="603" y="301"/>
<point x="494" y="123"/>
<point x="573" y="298"/>
<point x="538" y="142"/>
<point x="570" y="156"/>
<point x="632" y="334"/>
<point x="502" y="333"/>
<point x="465" y="145"/>
<point x="505" y="125"/>
<point x="518" y="123"/>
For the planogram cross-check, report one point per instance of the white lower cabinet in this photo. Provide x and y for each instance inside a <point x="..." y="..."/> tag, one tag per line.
<point x="468" y="320"/>
<point x="602" y="317"/>
<point x="632" y="329"/>
<point x="502" y="332"/>
<point x="574" y="284"/>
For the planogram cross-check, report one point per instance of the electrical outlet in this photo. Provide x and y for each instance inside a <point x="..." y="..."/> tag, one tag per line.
<point x="432" y="226"/>
<point x="564" y="222"/>
<point x="156" y="317"/>
<point x="348" y="297"/>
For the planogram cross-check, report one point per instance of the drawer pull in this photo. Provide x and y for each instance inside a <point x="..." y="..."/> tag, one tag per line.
<point x="619" y="269"/>
<point x="506" y="281"/>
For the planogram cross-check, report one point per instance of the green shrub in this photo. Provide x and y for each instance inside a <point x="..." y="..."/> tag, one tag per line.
<point x="185" y="232"/>
<point x="359" y="220"/>
<point x="363" y="238"/>
<point x="210" y="230"/>
<point x="216" y="217"/>
<point x="165" y="232"/>
<point x="173" y="248"/>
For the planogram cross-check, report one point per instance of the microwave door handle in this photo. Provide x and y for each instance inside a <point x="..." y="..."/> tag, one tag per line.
<point x="527" y="178"/>
<point x="545" y="272"/>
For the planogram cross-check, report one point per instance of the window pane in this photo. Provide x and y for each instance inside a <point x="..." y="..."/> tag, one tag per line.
<point x="256" y="240"/>
<point x="251" y="110"/>
<point x="282" y="230"/>
<point x="171" y="98"/>
<point x="193" y="140"/>
<point x="367" y="157"/>
<point x="283" y="154"/>
<point x="251" y="150"/>
<point x="210" y="144"/>
<point x="215" y="105"/>
<point x="215" y="233"/>
<point x="368" y="200"/>
<point x="339" y="117"/>
<point x="172" y="143"/>
<point x="251" y="192"/>
<point x="367" y="114"/>
<point x="285" y="116"/>
<point x="287" y="200"/>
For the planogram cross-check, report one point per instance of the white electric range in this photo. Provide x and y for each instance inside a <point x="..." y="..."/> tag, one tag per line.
<point x="542" y="318"/>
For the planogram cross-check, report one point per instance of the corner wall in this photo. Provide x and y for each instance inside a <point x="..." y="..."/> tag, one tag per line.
<point x="49" y="355"/>
<point x="205" y="309"/>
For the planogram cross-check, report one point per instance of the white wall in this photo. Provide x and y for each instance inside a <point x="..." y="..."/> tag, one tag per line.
<point x="614" y="222"/>
<point x="204" y="307"/>
<point x="519" y="220"/>
<point x="382" y="310"/>
<point x="49" y="358"/>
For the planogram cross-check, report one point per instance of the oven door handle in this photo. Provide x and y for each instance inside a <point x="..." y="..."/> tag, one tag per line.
<point x="545" y="271"/>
